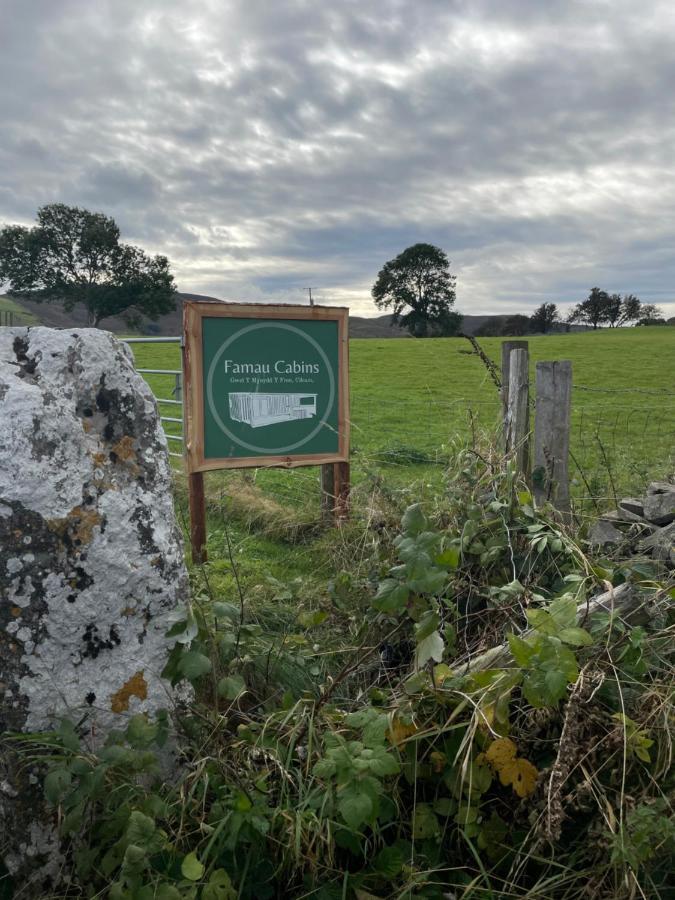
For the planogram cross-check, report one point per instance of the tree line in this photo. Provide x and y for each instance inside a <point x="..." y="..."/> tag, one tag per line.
<point x="419" y="289"/>
<point x="75" y="257"/>
<point x="599" y="309"/>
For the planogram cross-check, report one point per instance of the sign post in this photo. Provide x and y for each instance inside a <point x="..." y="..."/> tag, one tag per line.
<point x="264" y="386"/>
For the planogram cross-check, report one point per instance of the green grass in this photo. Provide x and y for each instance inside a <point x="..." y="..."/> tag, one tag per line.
<point x="411" y="399"/>
<point x="412" y="402"/>
<point x="21" y="315"/>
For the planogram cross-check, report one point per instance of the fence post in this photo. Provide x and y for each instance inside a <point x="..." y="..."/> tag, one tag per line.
<point x="335" y="491"/>
<point x="507" y="347"/>
<point x="341" y="486"/>
<point x="197" y="505"/>
<point x="550" y="477"/>
<point x="518" y="411"/>
<point x="327" y="490"/>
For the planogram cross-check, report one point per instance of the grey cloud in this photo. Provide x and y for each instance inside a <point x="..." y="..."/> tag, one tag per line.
<point x="260" y="145"/>
<point x="115" y="184"/>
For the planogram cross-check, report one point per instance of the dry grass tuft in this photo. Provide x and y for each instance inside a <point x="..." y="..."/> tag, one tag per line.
<point x="258" y="511"/>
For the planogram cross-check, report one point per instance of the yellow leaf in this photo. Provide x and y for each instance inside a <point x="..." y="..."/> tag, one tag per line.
<point x="438" y="761"/>
<point x="399" y="731"/>
<point x="521" y="775"/>
<point x="441" y="674"/>
<point x="488" y="715"/>
<point x="500" y="752"/>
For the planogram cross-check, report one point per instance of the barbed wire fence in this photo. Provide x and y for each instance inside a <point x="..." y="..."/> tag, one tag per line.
<point x="614" y="451"/>
<point x="620" y="438"/>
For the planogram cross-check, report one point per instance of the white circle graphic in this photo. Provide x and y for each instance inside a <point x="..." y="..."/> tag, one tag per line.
<point x="209" y="387"/>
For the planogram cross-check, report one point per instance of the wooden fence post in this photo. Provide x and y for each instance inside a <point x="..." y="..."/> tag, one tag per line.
<point x="342" y="489"/>
<point x="327" y="490"/>
<point x="507" y="347"/>
<point x="335" y="491"/>
<point x="197" y="516"/>
<point x="195" y="480"/>
<point x="518" y="411"/>
<point x="550" y="477"/>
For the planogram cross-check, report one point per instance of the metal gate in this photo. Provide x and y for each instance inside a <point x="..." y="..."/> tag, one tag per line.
<point x="176" y="399"/>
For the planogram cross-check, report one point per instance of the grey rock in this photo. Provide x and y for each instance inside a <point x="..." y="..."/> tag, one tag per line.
<point x="604" y="532"/>
<point x="91" y="559"/>
<point x="633" y="506"/>
<point x="623" y="517"/>
<point x="661" y="544"/>
<point x="659" y="505"/>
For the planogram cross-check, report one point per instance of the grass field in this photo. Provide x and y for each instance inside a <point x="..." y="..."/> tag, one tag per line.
<point x="411" y="399"/>
<point x="21" y="315"/>
<point x="412" y="402"/>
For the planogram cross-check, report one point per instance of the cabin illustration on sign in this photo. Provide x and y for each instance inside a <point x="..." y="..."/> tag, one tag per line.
<point x="258" y="410"/>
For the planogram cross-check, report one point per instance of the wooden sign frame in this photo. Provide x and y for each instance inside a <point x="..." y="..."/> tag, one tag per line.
<point x="335" y="466"/>
<point x="194" y="312"/>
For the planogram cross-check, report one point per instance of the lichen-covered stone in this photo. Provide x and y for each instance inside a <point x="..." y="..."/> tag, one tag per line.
<point x="91" y="561"/>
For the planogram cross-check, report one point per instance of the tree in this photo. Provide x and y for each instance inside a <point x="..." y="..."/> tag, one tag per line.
<point x="631" y="309"/>
<point x="419" y="289"/>
<point x="614" y="309"/>
<point x="544" y="318"/>
<point x="516" y="325"/>
<point x="621" y="310"/>
<point x="651" y="315"/>
<point x="594" y="310"/>
<point x="73" y="256"/>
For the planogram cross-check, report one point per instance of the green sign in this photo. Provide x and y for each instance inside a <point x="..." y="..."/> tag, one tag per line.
<point x="271" y="387"/>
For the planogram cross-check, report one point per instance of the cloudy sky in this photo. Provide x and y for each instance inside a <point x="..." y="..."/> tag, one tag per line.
<point x="270" y="145"/>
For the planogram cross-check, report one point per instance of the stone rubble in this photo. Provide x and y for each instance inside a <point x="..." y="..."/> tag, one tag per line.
<point x="646" y="526"/>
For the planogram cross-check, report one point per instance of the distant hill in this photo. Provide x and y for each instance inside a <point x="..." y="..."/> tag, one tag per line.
<point x="381" y="326"/>
<point x="54" y="316"/>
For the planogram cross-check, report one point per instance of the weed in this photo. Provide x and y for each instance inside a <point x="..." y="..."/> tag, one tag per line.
<point x="435" y="714"/>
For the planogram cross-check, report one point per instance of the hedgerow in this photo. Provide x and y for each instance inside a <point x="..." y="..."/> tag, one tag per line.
<point x="460" y="717"/>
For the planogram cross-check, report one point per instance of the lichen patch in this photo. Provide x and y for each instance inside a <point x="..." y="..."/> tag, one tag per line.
<point x="124" y="449"/>
<point x="78" y="526"/>
<point x="136" y="686"/>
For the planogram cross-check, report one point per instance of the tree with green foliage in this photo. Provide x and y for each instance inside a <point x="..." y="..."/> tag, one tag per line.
<point x="594" y="310"/>
<point x="613" y="309"/>
<point x="420" y="290"/>
<point x="621" y="310"/>
<point x="544" y="318"/>
<point x="74" y="257"/>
